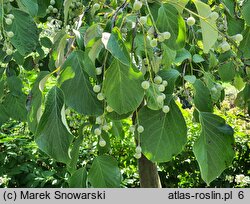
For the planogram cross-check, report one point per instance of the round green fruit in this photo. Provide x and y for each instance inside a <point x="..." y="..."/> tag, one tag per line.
<point x="238" y="37"/>
<point x="158" y="80"/>
<point x="143" y="20"/>
<point x="166" y="35"/>
<point x="98" y="131"/>
<point x="96" y="6"/>
<point x="165" y="109"/>
<point x="97" y="88"/>
<point x="145" y="85"/>
<point x="137" y="5"/>
<point x="153" y="42"/>
<point x="8" y="21"/>
<point x="191" y="21"/>
<point x="140" y="129"/>
<point x="102" y="142"/>
<point x="225" y="46"/>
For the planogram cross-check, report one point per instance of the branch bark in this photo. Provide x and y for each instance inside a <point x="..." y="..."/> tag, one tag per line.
<point x="149" y="177"/>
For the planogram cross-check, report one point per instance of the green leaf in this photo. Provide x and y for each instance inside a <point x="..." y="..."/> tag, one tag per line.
<point x="52" y="135"/>
<point x="170" y="76"/>
<point x="174" y="24"/>
<point x="180" y="6"/>
<point x="35" y="102"/>
<point x="182" y="55"/>
<point x="168" y="56"/>
<point x="78" y="179"/>
<point x="107" y="147"/>
<point x="198" y="59"/>
<point x="214" y="148"/>
<point x="245" y="11"/>
<point x="104" y="173"/>
<point x="15" y="106"/>
<point x="117" y="129"/>
<point x="74" y="81"/>
<point x="26" y="33"/>
<point x="234" y="26"/>
<point x="29" y="63"/>
<point x="46" y="42"/>
<point x="164" y="135"/>
<point x="122" y="87"/>
<point x="116" y="46"/>
<point x="93" y="33"/>
<point x="29" y="6"/>
<point x="4" y="115"/>
<point x="244" y="48"/>
<point x="42" y="6"/>
<point x="208" y="26"/>
<point x="202" y="98"/>
<point x="75" y="152"/>
<point x="227" y="71"/>
<point x="229" y="5"/>
<point x="15" y="85"/>
<point x="190" y="78"/>
<point x="66" y="5"/>
<point x="151" y="97"/>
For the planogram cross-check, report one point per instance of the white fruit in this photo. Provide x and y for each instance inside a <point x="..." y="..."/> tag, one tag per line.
<point x="96" y="6"/>
<point x="98" y="71"/>
<point x="145" y="85"/>
<point x="140" y="129"/>
<point x="161" y="37"/>
<point x="100" y="96"/>
<point x="52" y="2"/>
<point x="238" y="37"/>
<point x="50" y="7"/>
<point x="102" y="142"/>
<point x="161" y="88"/>
<point x="97" y="88"/>
<point x="219" y="87"/>
<point x="225" y="46"/>
<point x="137" y="5"/>
<point x="109" y="109"/>
<point x="165" y="83"/>
<point x="214" y="15"/>
<point x="99" y="120"/>
<point x="10" y="34"/>
<point x="158" y="80"/>
<point x="132" y="129"/>
<point x="55" y="10"/>
<point x="165" y="109"/>
<point x="153" y="42"/>
<point x="8" y="21"/>
<point x="11" y="16"/>
<point x="106" y="127"/>
<point x="160" y="99"/>
<point x="191" y="21"/>
<point x="138" y="149"/>
<point x="98" y="131"/>
<point x="213" y="90"/>
<point x="9" y="51"/>
<point x="143" y="20"/>
<point x="137" y="155"/>
<point x="166" y="35"/>
<point x="151" y="31"/>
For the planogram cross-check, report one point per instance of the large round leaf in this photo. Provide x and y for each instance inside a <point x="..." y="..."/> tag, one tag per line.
<point x="122" y="87"/>
<point x="104" y="173"/>
<point x="53" y="136"/>
<point x="26" y="33"/>
<point x="164" y="134"/>
<point x="75" y="83"/>
<point x="214" y="148"/>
